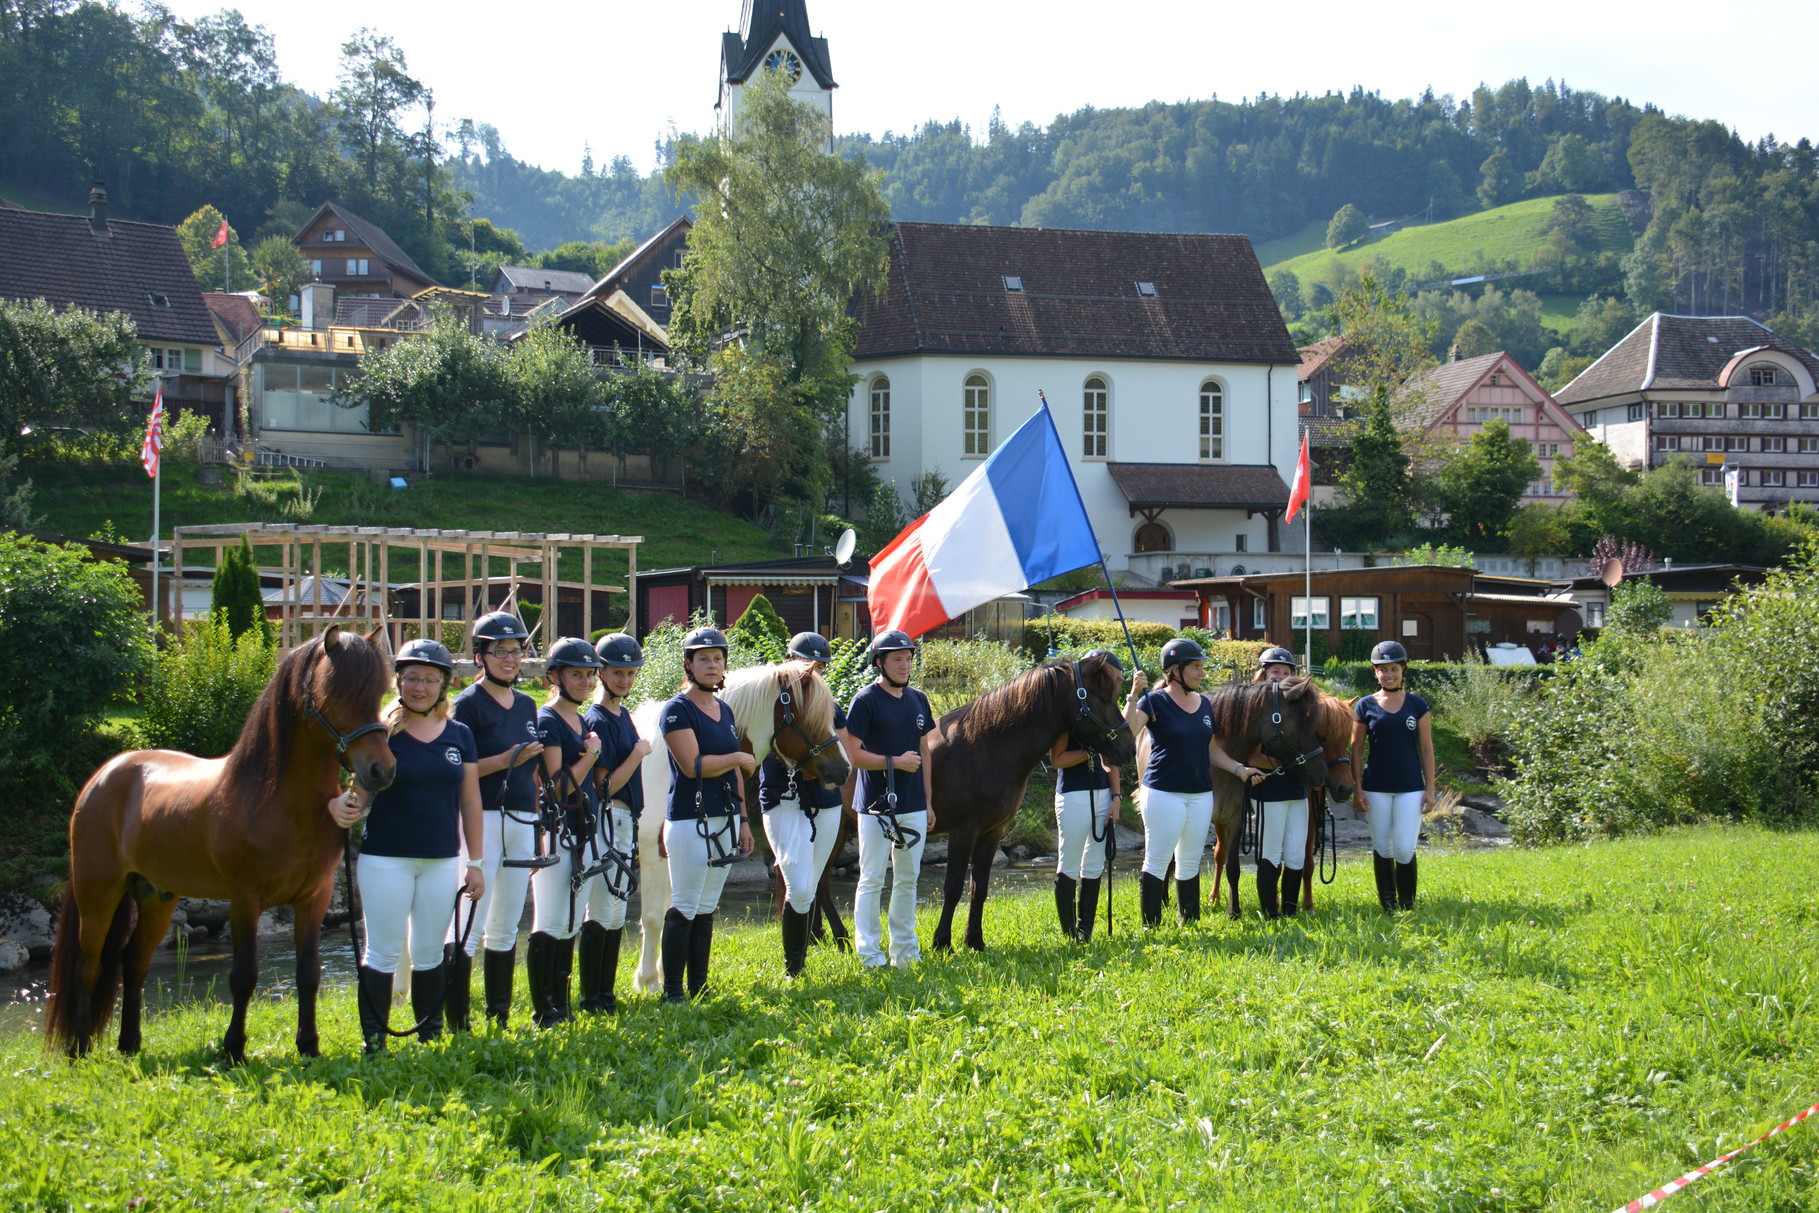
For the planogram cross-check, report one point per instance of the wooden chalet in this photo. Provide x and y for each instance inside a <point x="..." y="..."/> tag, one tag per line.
<point x="356" y="257"/>
<point x="811" y="593"/>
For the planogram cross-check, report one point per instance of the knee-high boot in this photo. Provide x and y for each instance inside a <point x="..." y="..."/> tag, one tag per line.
<point x="591" y="960"/>
<point x="1066" y="890"/>
<point x="428" y="995"/>
<point x="1150" y="890"/>
<point x="549" y="961"/>
<point x="1384" y="868"/>
<point x="676" y="931"/>
<point x="496" y="965"/>
<point x="1405" y="884"/>
<point x="1089" y="908"/>
<point x="795" y="941"/>
<point x="1269" y="879"/>
<point x="609" y="971"/>
<point x="459" y="1005"/>
<point x="1291" y="892"/>
<point x="374" y="993"/>
<point x="700" y="948"/>
<point x="1187" y="892"/>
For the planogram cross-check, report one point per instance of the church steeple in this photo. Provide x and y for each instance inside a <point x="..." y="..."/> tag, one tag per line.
<point x="775" y="34"/>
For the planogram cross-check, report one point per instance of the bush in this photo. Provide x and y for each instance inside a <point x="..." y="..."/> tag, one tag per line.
<point x="955" y="672"/>
<point x="206" y="682"/>
<point x="1480" y="704"/>
<point x="235" y="595"/>
<point x="661" y="676"/>
<point x="1084" y="634"/>
<point x="760" y="622"/>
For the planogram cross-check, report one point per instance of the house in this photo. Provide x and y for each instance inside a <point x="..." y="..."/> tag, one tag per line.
<point x="1692" y="589"/>
<point x="1438" y="612"/>
<point x="1723" y="390"/>
<point x="115" y="265"/>
<point x="520" y="294"/>
<point x="1176" y="608"/>
<point x="357" y="258"/>
<point x="1167" y="368"/>
<point x="1460" y="396"/>
<point x="1319" y="378"/>
<point x="639" y="278"/>
<point x="810" y="593"/>
<point x="774" y="35"/>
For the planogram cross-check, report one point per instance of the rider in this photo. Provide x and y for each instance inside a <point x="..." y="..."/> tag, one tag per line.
<point x="706" y="799"/>
<point x="1086" y="798"/>
<point x="570" y="752"/>
<point x="622" y="792"/>
<point x="1282" y="842"/>
<point x="1178" y="783"/>
<point x="1398" y="779"/>
<point x="503" y="721"/>
<point x="800" y="843"/>
<point x="886" y="737"/>
<point x="410" y="854"/>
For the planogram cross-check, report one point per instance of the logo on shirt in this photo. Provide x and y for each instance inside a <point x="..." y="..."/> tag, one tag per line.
<point x="671" y="718"/>
<point x="921" y="723"/>
<point x="530" y="726"/>
<point x="1410" y="722"/>
<point x="453" y="755"/>
<point x="1207" y="721"/>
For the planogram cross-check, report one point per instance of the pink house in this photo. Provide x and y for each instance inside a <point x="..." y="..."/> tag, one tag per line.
<point x="1459" y="397"/>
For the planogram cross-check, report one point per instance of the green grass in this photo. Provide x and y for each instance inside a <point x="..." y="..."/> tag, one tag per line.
<point x="35" y="200"/>
<point x="1309" y="239"/>
<point x="1549" y="1030"/>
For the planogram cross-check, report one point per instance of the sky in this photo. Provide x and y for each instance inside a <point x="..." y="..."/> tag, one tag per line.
<point x="615" y="76"/>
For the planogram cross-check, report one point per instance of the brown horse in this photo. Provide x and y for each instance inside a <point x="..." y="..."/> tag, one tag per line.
<point x="1230" y="801"/>
<point x="253" y="827"/>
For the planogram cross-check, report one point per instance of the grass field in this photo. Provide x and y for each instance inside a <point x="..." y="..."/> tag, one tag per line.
<point x="1549" y="1030"/>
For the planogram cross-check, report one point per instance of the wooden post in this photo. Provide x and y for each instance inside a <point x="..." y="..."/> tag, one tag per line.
<point x="631" y="589"/>
<point x="587" y="588"/>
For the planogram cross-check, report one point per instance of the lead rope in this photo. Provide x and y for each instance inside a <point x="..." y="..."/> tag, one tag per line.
<point x="1101" y="832"/>
<point x="1326" y="840"/>
<point x="895" y="832"/>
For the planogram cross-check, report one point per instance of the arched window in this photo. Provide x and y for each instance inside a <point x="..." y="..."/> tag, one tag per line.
<point x="976" y="420"/>
<point x="1095" y="418"/>
<point x="881" y="418"/>
<point x="1154" y="537"/>
<point x="1212" y="420"/>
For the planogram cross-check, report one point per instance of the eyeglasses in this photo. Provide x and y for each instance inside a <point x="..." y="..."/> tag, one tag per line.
<point x="419" y="682"/>
<point x="506" y="654"/>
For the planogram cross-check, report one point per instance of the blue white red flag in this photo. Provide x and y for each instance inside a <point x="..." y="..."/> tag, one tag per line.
<point x="1016" y="521"/>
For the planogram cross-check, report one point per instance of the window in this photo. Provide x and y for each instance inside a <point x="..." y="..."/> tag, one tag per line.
<point x="1297" y="612"/>
<point x="1667" y="442"/>
<point x="659" y="295"/>
<point x="1259" y="615"/>
<point x="1722" y="442"/>
<point x="976" y="420"/>
<point x="1756" y="410"/>
<point x="1762" y="376"/>
<point x="192" y="361"/>
<point x="1358" y="613"/>
<point x="1809" y="446"/>
<point x="1153" y="537"/>
<point x="1212" y="420"/>
<point x="1594" y="614"/>
<point x="1774" y="445"/>
<point x="1012" y="282"/>
<point x="173" y="360"/>
<point x="676" y="258"/>
<point x="1636" y="412"/>
<point x="1241" y="543"/>
<point x="1806" y="480"/>
<point x="1543" y="487"/>
<point x="1773" y="478"/>
<point x="1095" y="415"/>
<point x="1711" y="475"/>
<point x="315" y="267"/>
<point x="1809" y="412"/>
<point x="1146" y="290"/>
<point x="1306" y="392"/>
<point x="881" y="418"/>
<point x="1547" y="450"/>
<point x="1667" y="408"/>
<point x="1494" y="412"/>
<point x="356" y="267"/>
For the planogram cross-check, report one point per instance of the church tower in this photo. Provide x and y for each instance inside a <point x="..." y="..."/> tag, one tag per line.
<point x="774" y="34"/>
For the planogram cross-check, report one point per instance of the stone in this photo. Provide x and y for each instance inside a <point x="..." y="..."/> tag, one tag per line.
<point x="13" y="955"/>
<point x="748" y="874"/>
<point x="1342" y="810"/>
<point x="1485" y="802"/>
<point x="935" y="851"/>
<point x="1351" y="831"/>
<point x="1482" y="825"/>
<point x="25" y="921"/>
<point x="1000" y="859"/>
<point x="203" y="912"/>
<point x="1130" y="842"/>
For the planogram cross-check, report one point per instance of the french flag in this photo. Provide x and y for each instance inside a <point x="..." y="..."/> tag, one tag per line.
<point x="1015" y="521"/>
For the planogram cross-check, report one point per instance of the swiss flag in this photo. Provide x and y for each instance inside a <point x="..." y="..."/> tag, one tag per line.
<point x="220" y="236"/>
<point x="1297" y="495"/>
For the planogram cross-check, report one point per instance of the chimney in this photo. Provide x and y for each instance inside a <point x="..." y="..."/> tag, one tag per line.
<point x="1453" y="355"/>
<point x="97" y="210"/>
<point x="318" y="305"/>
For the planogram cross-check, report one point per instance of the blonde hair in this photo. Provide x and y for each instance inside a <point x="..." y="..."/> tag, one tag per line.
<point x="398" y="717"/>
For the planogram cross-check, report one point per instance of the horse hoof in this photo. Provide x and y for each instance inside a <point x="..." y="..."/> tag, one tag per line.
<point x="309" y="1048"/>
<point x="977" y="945"/>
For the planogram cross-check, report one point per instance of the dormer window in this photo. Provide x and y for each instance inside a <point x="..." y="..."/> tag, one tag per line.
<point x="1762" y="376"/>
<point x="158" y="298"/>
<point x="1013" y="282"/>
<point x="1146" y="289"/>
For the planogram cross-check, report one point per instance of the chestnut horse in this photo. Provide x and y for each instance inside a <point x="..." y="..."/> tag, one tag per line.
<point x="1231" y="802"/>
<point x="253" y="827"/>
<point x="784" y="706"/>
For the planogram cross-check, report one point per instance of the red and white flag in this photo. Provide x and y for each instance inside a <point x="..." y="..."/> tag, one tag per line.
<point x="220" y="236"/>
<point x="154" y="436"/>
<point x="1297" y="495"/>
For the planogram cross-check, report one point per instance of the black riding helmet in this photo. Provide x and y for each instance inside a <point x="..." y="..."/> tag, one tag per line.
<point x="424" y="652"/>
<point x="499" y="625"/>
<point x="811" y="646"/>
<point x="1110" y="658"/>
<point x="620" y="651"/>
<point x="571" y="652"/>
<point x="1388" y="652"/>
<point x="705" y="638"/>
<point x="1275" y="655"/>
<point x="1180" y="651"/>
<point x="892" y="641"/>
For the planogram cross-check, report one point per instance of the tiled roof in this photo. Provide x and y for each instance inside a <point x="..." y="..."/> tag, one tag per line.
<point x="372" y="236"/>
<point x="236" y="314"/>
<point x="1665" y="353"/>
<point x="1200" y="485"/>
<point x="1317" y="355"/>
<point x="1427" y="395"/>
<point x="560" y="282"/>
<point x="1080" y="296"/>
<point x="136" y="268"/>
<point x="764" y="20"/>
<point x="1325" y="432"/>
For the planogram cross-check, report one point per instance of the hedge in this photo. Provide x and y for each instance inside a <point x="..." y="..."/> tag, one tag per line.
<point x="1426" y="676"/>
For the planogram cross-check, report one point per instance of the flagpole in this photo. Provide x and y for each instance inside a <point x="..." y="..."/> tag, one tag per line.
<point x="157" y="484"/>
<point x="1307" y="519"/>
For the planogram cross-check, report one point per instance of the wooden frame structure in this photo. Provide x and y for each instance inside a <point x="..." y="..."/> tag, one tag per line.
<point x="372" y="600"/>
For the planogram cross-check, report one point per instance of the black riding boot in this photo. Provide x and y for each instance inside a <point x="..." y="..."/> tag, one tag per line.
<point x="549" y="961"/>
<point x="1187" y="892"/>
<point x="609" y="976"/>
<point x="496" y="965"/>
<point x="1385" y="870"/>
<point x="1291" y="892"/>
<point x="1089" y="908"/>
<point x="795" y="941"/>
<point x="1066" y="890"/>
<point x="1405" y="885"/>
<point x="1149" y="895"/>
<point x="676" y="932"/>
<point x="592" y="962"/>
<point x="1269" y="879"/>
<point x="374" y="992"/>
<point x="428" y="990"/>
<point x="700" y="946"/>
<point x="460" y="968"/>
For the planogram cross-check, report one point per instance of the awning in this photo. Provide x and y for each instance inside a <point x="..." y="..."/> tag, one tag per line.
<point x="1200" y="486"/>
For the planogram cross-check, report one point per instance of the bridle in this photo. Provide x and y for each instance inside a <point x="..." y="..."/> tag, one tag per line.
<point x="1108" y="734"/>
<point x="1274" y="743"/>
<point x="815" y="748"/>
<point x="342" y="740"/>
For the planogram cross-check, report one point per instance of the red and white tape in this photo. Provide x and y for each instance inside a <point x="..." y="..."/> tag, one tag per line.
<point x="1672" y="1186"/>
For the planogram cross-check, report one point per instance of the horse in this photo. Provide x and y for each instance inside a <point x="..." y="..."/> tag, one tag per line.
<point x="252" y="827"/>
<point x="786" y="706"/>
<point x="1231" y="802"/>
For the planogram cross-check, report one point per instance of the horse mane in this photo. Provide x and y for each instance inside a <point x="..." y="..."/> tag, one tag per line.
<point x="1007" y="706"/>
<point x="1335" y="724"/>
<point x="750" y="691"/>
<point x="814" y="700"/>
<point x="357" y="675"/>
<point x="1238" y="708"/>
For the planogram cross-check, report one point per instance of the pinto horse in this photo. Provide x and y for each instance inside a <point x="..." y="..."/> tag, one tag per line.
<point x="787" y="707"/>
<point x="253" y="827"/>
<point x="1231" y="800"/>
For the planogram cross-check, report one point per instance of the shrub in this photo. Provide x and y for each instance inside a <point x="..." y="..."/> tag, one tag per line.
<point x="205" y="683"/>
<point x="1480" y="704"/>
<point x="235" y="595"/>
<point x="1083" y="634"/>
<point x="661" y="676"/>
<point x="760" y="622"/>
<point x="955" y="672"/>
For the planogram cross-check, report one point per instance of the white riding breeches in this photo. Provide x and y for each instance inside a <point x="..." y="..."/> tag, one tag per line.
<point x="593" y="901"/>
<point x="800" y="858"/>
<point x="875" y="854"/>
<point x="1079" y="816"/>
<point x="1284" y="838"/>
<point x="399" y="895"/>
<point x="694" y="883"/>
<point x="1395" y="823"/>
<point x="1175" y="825"/>
<point x="501" y="907"/>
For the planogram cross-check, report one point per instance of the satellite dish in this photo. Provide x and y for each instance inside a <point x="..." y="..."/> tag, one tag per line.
<point x="1612" y="573"/>
<point x="843" y="547"/>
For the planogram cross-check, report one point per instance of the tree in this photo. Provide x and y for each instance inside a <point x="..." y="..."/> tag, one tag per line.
<point x="1670" y="512"/>
<point x="15" y="498"/>
<point x="449" y="384"/>
<point x="235" y="597"/>
<point x="1479" y="489"/>
<point x="1498" y="180"/>
<point x="1599" y="486"/>
<point x="653" y="412"/>
<point x="1536" y="531"/>
<point x="1348" y="227"/>
<point x="279" y="269"/>
<point x="760" y="622"/>
<point x="555" y="394"/>
<point x="213" y="271"/>
<point x="763" y="440"/>
<point x="1560" y="368"/>
<point x="884" y="518"/>
<point x="374" y="94"/>
<point x="1285" y="289"/>
<point x="1638" y="608"/>
<point x="1571" y="165"/>
<point x="1474" y="339"/>
<point x="73" y="367"/>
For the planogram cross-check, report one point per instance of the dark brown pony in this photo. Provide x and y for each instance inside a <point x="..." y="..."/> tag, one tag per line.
<point x="1231" y="802"/>
<point x="253" y="827"/>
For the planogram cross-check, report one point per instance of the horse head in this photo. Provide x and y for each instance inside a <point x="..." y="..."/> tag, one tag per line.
<point x="1095" y="716"/>
<point x="803" y="725"/>
<point x="341" y="681"/>
<point x="1290" y="728"/>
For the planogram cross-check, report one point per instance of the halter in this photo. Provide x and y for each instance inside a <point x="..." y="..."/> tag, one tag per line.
<point x="900" y="836"/>
<point x="1108" y="733"/>
<point x="815" y="748"/>
<point x="720" y="854"/>
<point x="342" y="740"/>
<point x="1276" y="745"/>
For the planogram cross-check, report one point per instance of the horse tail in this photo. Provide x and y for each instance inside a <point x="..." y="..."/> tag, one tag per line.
<point x="73" y="1017"/>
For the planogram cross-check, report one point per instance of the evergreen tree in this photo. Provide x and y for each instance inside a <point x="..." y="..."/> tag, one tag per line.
<point x="760" y="622"/>
<point x="235" y="596"/>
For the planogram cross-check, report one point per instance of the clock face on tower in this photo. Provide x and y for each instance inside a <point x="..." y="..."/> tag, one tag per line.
<point x="785" y="62"/>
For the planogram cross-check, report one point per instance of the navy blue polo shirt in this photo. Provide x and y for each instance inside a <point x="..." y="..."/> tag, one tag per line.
<point x="415" y="818"/>
<point x="498" y="730"/>
<point x="1181" y="758"/>
<point x="618" y="735"/>
<point x="1393" y="761"/>
<point x="1279" y="785"/>
<point x="774" y="780"/>
<point x="555" y="734"/>
<point x="719" y="794"/>
<point x="1088" y="776"/>
<point x="890" y="724"/>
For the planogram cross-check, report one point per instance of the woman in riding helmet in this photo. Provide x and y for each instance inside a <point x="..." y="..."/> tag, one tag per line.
<point x="704" y="827"/>
<point x="886" y="738"/>
<point x="621" y="783"/>
<point x="1178" y="782"/>
<point x="410" y="854"/>
<point x="1398" y="778"/>
<point x="503" y="721"/>
<point x="1282" y="842"/>
<point x="1086" y="799"/>
<point x="800" y="840"/>
<point x="570" y="752"/>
